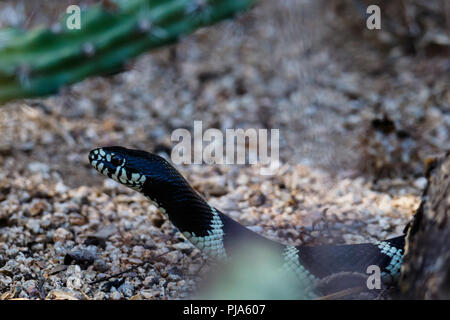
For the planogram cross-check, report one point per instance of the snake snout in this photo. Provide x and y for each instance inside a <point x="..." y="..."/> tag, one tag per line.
<point x="99" y="160"/>
<point x="92" y="155"/>
<point x="95" y="156"/>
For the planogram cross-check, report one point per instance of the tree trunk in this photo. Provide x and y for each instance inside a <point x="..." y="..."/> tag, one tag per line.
<point x="426" y="264"/>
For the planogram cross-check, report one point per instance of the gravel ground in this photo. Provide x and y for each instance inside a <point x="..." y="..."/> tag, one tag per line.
<point x="64" y="230"/>
<point x="59" y="242"/>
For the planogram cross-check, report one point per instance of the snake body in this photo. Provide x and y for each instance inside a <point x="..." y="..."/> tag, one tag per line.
<point x="219" y="236"/>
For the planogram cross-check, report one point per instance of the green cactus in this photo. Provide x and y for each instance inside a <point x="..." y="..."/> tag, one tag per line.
<point x="39" y="62"/>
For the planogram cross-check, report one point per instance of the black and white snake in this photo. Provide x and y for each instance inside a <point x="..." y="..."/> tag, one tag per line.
<point x="218" y="236"/>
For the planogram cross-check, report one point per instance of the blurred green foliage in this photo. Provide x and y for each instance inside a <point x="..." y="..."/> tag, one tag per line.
<point x="40" y="61"/>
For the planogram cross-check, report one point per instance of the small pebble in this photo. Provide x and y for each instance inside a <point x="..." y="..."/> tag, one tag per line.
<point x="39" y="167"/>
<point x="62" y="234"/>
<point x="115" y="295"/>
<point x="127" y="289"/>
<point x="81" y="257"/>
<point x="74" y="282"/>
<point x="100" y="265"/>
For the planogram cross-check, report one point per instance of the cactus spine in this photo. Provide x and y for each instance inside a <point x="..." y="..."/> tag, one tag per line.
<point x="39" y="62"/>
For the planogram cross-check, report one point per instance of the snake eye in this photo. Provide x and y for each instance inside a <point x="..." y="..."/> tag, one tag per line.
<point x="116" y="160"/>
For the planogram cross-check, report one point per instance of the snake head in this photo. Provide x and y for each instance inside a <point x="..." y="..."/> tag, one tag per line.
<point x="117" y="164"/>
<point x="132" y="168"/>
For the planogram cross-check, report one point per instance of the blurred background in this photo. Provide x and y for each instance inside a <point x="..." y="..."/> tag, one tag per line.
<point x="358" y="111"/>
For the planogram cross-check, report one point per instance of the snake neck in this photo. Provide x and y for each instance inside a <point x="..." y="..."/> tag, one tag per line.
<point x="214" y="233"/>
<point x="178" y="202"/>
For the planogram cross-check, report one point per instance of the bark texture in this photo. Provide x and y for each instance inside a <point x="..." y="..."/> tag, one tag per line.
<point x="426" y="265"/>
